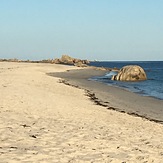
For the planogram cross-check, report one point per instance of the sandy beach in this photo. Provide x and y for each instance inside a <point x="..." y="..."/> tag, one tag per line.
<point x="44" y="120"/>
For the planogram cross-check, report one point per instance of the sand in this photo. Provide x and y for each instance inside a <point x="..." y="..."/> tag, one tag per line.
<point x="43" y="120"/>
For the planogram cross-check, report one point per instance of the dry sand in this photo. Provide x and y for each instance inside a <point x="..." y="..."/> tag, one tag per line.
<point x="43" y="120"/>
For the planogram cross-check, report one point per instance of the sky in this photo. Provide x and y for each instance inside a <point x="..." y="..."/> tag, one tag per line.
<point x="111" y="30"/>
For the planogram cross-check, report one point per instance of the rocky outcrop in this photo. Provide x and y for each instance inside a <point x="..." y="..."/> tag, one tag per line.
<point x="130" y="73"/>
<point x="65" y="59"/>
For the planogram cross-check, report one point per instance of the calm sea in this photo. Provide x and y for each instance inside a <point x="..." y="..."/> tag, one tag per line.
<point x="151" y="87"/>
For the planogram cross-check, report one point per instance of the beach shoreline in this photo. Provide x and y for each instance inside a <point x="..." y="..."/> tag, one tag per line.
<point x="44" y="120"/>
<point x="112" y="97"/>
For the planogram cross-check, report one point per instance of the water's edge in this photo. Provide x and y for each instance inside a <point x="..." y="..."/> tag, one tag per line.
<point x="152" y="87"/>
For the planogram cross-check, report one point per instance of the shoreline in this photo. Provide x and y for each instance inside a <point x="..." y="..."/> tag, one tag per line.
<point x="113" y="98"/>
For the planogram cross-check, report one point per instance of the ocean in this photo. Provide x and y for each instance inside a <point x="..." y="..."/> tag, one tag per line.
<point x="153" y="86"/>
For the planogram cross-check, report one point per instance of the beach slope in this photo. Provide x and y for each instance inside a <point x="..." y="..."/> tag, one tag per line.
<point x="44" y="120"/>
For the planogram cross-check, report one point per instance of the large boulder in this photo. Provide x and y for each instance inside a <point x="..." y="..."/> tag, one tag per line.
<point x="130" y="73"/>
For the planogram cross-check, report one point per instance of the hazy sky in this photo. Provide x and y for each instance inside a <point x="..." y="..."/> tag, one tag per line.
<point x="90" y="29"/>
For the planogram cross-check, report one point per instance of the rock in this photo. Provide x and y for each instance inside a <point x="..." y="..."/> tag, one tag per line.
<point x="80" y="64"/>
<point x="65" y="59"/>
<point x="130" y="73"/>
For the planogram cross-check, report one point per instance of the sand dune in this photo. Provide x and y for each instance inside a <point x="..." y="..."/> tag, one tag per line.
<point x="43" y="120"/>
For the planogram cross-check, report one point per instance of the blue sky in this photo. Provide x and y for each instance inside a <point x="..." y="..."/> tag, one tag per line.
<point x="87" y="29"/>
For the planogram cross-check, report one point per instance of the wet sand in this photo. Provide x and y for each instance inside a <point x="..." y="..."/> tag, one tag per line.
<point x="113" y="97"/>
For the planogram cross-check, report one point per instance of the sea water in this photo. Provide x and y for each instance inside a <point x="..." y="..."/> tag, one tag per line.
<point x="153" y="86"/>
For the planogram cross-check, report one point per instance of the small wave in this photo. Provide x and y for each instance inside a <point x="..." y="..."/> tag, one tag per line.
<point x="110" y="74"/>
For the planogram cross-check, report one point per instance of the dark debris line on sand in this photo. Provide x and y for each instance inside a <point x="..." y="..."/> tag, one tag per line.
<point x="105" y="104"/>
